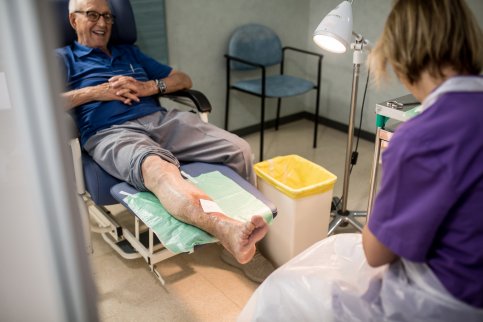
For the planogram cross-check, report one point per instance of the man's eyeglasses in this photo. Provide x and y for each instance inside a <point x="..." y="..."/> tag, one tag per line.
<point x="94" y="16"/>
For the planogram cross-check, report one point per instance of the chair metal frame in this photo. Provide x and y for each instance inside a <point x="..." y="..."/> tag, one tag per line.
<point x="263" y="96"/>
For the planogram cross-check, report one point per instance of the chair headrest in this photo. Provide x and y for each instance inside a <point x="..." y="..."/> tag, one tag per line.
<point x="123" y="29"/>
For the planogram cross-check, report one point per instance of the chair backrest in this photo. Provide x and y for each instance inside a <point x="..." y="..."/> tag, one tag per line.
<point x="123" y="30"/>
<point x="255" y="43"/>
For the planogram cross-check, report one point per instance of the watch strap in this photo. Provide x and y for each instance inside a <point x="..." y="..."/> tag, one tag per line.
<point x="161" y="85"/>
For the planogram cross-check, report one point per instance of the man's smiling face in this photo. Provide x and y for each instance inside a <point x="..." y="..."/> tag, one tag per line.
<point x="90" y="33"/>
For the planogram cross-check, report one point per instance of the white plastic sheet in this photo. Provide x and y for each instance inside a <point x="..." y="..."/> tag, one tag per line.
<point x="331" y="281"/>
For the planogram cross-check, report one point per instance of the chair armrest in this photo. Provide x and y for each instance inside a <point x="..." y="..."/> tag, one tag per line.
<point x="247" y="62"/>
<point x="303" y="51"/>
<point x="243" y="61"/>
<point x="199" y="100"/>
<point x="72" y="130"/>
<point x="319" y="61"/>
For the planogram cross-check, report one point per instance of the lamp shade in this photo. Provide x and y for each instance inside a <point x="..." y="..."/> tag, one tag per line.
<point x="335" y="30"/>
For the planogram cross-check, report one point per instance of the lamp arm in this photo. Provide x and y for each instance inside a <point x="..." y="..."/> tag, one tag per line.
<point x="360" y="43"/>
<point x="358" y="37"/>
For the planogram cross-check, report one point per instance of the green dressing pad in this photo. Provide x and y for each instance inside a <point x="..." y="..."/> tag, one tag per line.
<point x="180" y="237"/>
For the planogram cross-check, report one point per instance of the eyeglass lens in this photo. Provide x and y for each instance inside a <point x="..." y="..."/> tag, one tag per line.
<point x="94" y="16"/>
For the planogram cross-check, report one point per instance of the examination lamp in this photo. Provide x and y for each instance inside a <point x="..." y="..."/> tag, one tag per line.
<point x="334" y="34"/>
<point x="335" y="30"/>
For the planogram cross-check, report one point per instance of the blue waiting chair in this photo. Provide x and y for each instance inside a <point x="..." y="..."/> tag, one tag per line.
<point x="97" y="189"/>
<point x="257" y="47"/>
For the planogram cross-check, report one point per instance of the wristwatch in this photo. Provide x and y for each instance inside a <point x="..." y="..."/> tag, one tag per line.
<point x="161" y="85"/>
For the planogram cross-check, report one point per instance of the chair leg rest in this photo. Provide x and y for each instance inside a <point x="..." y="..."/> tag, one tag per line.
<point x="118" y="249"/>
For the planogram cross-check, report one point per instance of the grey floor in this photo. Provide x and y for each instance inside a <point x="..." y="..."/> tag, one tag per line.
<point x="199" y="286"/>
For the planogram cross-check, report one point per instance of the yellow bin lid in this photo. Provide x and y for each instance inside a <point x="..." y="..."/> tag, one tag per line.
<point x="295" y="176"/>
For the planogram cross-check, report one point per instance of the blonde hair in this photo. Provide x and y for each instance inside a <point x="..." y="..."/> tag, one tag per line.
<point x="428" y="35"/>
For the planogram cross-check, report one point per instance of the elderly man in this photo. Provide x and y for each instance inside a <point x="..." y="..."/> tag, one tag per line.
<point x="111" y="90"/>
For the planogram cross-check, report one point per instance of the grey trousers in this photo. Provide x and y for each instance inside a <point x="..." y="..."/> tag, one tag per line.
<point x="175" y="136"/>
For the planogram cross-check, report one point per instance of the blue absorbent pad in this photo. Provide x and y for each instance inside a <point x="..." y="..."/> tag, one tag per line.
<point x="179" y="237"/>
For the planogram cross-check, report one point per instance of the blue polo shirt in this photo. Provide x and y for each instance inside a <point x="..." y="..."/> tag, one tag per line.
<point x="85" y="66"/>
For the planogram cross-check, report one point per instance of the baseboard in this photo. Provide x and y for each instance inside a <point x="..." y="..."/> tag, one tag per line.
<point x="369" y="136"/>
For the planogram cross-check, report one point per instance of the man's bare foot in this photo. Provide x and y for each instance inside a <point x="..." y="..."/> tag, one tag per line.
<point x="241" y="239"/>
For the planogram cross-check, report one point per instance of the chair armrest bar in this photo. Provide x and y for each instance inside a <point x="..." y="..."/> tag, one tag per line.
<point x="303" y="51"/>
<point x="320" y="56"/>
<point x="262" y="67"/>
<point x="199" y="99"/>
<point x="244" y="61"/>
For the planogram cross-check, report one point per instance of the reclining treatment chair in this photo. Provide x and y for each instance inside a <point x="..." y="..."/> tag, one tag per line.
<point x="97" y="189"/>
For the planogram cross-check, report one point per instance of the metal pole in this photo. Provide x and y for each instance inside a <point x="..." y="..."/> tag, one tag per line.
<point x="341" y="214"/>
<point x="350" y="135"/>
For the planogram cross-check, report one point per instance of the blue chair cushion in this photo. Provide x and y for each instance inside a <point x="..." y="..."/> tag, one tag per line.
<point x="276" y="86"/>
<point x="98" y="182"/>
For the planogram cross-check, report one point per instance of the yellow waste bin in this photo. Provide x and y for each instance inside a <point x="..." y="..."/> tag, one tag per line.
<point x="302" y="192"/>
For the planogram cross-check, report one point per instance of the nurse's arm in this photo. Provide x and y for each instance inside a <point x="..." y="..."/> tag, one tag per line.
<point x="376" y="253"/>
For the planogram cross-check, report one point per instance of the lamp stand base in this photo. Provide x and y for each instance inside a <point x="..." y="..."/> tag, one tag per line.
<point x="342" y="218"/>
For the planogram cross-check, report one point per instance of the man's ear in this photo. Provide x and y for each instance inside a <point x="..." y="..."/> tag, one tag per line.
<point x="72" y="17"/>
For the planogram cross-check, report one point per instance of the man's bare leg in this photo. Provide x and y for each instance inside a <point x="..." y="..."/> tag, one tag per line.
<point x="182" y="200"/>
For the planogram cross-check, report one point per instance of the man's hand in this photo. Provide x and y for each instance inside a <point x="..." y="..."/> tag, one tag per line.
<point x="128" y="89"/>
<point x="119" y="88"/>
<point x="125" y="89"/>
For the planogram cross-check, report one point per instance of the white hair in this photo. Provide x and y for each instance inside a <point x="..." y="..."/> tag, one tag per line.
<point x="73" y="5"/>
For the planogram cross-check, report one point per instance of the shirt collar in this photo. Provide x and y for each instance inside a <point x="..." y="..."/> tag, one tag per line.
<point x="454" y="84"/>
<point x="81" y="50"/>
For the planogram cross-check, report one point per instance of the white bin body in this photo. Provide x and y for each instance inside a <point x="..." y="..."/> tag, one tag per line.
<point x="299" y="223"/>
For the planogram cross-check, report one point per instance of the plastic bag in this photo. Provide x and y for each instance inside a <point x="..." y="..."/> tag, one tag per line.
<point x="295" y="176"/>
<point x="331" y="281"/>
